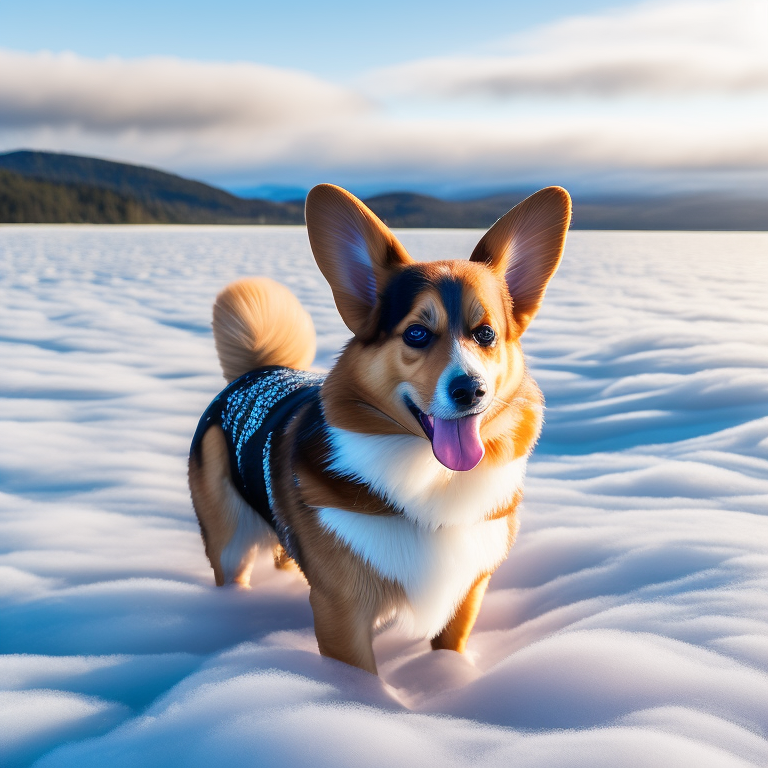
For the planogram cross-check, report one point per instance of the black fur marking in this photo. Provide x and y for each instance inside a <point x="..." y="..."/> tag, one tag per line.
<point x="312" y="427"/>
<point x="398" y="297"/>
<point x="450" y="292"/>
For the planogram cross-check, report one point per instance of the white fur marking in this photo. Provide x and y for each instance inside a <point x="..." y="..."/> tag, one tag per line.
<point x="403" y="470"/>
<point x="436" y="568"/>
<point x="251" y="533"/>
<point x="462" y="361"/>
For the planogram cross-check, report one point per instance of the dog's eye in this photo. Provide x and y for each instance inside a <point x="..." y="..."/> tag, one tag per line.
<point x="484" y="335"/>
<point x="417" y="336"/>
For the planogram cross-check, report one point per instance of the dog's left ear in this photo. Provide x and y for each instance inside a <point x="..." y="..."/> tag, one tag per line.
<point x="526" y="245"/>
<point x="355" y="251"/>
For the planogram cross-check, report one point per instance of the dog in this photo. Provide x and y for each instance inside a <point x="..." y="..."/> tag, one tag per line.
<point x="393" y="481"/>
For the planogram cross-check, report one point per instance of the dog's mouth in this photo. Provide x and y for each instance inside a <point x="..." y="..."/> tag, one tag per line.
<point x="427" y="422"/>
<point x="456" y="443"/>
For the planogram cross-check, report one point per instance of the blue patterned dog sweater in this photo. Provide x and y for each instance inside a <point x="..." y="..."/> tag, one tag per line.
<point x="249" y="411"/>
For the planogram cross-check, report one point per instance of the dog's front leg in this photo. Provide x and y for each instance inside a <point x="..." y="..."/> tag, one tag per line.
<point x="456" y="632"/>
<point x="343" y="629"/>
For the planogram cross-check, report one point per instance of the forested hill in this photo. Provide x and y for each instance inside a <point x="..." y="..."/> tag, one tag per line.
<point x="50" y="187"/>
<point x="24" y="201"/>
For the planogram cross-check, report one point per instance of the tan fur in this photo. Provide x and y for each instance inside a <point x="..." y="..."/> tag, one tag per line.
<point x="282" y="560"/>
<point x="220" y="509"/>
<point x="346" y="595"/>
<point x="456" y="633"/>
<point x="257" y="322"/>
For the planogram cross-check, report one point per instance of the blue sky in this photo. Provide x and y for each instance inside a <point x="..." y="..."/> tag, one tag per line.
<point x="439" y="97"/>
<point x="334" y="38"/>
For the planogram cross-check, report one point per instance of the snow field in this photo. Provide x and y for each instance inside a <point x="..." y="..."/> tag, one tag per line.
<point x="628" y="627"/>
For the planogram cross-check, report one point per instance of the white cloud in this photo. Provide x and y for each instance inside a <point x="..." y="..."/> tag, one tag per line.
<point x="691" y="74"/>
<point x="159" y="94"/>
<point x="655" y="48"/>
<point x="419" y="152"/>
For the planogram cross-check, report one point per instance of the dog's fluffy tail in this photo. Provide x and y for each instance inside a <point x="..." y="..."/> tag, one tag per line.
<point x="257" y="322"/>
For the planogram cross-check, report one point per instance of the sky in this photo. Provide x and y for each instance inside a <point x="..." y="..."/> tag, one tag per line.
<point x="441" y="97"/>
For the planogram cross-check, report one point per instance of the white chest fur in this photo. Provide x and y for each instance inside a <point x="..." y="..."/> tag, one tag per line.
<point x="436" y="568"/>
<point x="443" y="541"/>
<point x="403" y="470"/>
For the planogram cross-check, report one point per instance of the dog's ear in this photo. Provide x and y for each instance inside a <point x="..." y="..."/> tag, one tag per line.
<point x="355" y="251"/>
<point x="526" y="245"/>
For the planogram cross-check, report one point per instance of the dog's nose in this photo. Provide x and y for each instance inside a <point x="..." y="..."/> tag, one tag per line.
<point x="466" y="391"/>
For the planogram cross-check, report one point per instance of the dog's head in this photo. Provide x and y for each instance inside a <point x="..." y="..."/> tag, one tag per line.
<point x="436" y="349"/>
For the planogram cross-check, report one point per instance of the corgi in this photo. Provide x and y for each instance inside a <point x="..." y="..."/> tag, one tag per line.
<point x="393" y="481"/>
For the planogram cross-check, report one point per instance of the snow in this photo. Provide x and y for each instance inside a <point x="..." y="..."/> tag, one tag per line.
<point x="628" y="627"/>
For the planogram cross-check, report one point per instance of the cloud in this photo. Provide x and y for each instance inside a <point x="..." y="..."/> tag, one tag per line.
<point x="159" y="94"/>
<point x="692" y="76"/>
<point x="664" y="49"/>
<point x="401" y="152"/>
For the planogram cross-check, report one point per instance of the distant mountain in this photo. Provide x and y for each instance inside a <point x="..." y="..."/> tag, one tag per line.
<point x="165" y="197"/>
<point x="681" y="212"/>
<point x="408" y="209"/>
<point x="50" y="187"/>
<point x="692" y="211"/>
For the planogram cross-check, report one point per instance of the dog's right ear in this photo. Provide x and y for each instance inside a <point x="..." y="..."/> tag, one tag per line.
<point x="355" y="251"/>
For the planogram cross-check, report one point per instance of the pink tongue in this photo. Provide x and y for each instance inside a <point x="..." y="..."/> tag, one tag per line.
<point x="457" y="444"/>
